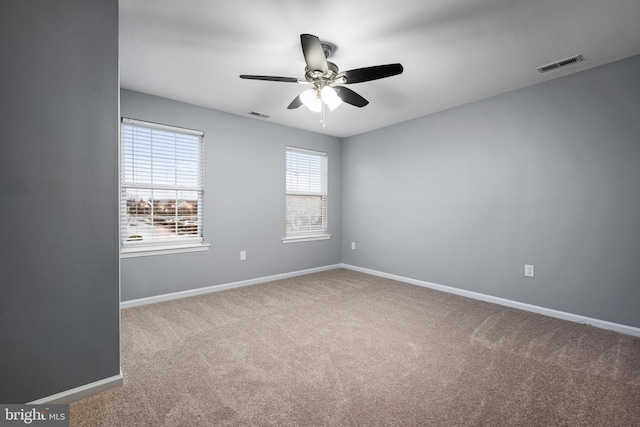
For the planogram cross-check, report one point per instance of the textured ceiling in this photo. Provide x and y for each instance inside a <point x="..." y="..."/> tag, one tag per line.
<point x="453" y="51"/>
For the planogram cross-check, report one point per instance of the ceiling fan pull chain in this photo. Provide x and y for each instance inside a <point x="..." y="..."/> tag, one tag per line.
<point x="323" y="122"/>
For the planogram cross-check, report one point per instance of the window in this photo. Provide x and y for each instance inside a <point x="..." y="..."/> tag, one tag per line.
<point x="306" y="194"/>
<point x="161" y="188"/>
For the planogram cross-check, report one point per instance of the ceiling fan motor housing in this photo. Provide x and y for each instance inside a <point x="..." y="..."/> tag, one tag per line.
<point x="314" y="75"/>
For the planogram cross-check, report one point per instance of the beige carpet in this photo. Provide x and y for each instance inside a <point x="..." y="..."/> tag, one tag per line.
<point x="341" y="348"/>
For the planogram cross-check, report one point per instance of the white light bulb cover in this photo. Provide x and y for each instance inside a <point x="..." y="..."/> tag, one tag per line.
<point x="310" y="98"/>
<point x="316" y="107"/>
<point x="330" y="97"/>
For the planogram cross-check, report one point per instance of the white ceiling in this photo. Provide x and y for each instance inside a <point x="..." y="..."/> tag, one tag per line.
<point x="453" y="51"/>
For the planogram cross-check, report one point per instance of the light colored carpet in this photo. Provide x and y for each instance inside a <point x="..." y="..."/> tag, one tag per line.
<point x="342" y="348"/>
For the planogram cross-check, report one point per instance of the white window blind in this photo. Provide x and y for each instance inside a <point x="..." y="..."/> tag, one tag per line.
<point x="161" y="184"/>
<point x="306" y="193"/>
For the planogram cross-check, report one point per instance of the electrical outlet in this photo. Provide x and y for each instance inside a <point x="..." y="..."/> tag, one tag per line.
<point x="243" y="255"/>
<point x="353" y="245"/>
<point x="528" y="270"/>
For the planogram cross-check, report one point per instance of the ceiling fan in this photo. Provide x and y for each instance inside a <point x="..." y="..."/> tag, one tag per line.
<point x="323" y="75"/>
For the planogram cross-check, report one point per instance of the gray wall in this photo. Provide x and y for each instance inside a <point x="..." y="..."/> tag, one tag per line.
<point x="59" y="316"/>
<point x="547" y="175"/>
<point x="244" y="207"/>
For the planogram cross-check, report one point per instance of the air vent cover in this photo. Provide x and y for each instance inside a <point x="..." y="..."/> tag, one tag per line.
<point x="262" y="116"/>
<point x="561" y="63"/>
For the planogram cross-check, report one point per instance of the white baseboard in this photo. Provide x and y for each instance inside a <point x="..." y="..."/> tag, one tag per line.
<point x="602" y="324"/>
<point x="216" y="288"/>
<point x="82" y="391"/>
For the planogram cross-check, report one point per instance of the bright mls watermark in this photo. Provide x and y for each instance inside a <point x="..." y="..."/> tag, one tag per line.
<point x="35" y="415"/>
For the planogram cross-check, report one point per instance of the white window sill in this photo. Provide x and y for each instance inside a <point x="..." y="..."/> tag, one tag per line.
<point x="163" y="250"/>
<point x="297" y="239"/>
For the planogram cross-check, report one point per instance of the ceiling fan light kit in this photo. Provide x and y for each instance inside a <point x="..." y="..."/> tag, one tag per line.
<point x="323" y="75"/>
<point x="313" y="98"/>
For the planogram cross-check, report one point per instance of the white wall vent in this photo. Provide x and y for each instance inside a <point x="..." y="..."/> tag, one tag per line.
<point x="561" y="63"/>
<point x="262" y="116"/>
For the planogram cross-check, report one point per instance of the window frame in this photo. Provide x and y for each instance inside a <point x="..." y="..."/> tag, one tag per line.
<point x="311" y="235"/>
<point x="159" y="246"/>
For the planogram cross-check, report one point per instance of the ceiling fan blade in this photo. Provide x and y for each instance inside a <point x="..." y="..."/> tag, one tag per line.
<point x="350" y="97"/>
<point x="295" y="103"/>
<point x="270" y="78"/>
<point x="372" y="73"/>
<point x="313" y="53"/>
